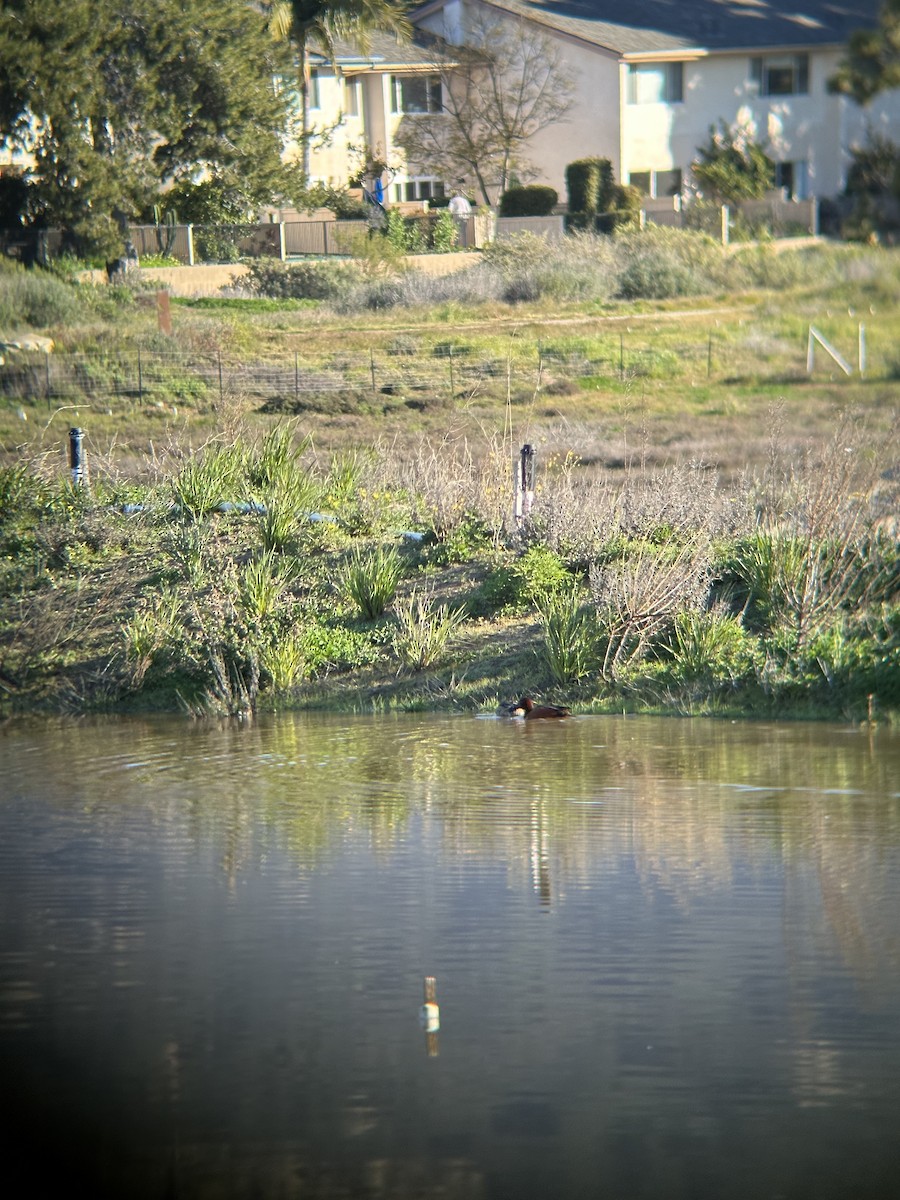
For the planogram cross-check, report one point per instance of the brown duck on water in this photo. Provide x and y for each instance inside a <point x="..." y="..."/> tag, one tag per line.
<point x="541" y="712"/>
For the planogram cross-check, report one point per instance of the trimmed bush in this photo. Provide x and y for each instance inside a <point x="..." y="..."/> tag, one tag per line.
<point x="533" y="201"/>
<point x="589" y="186"/>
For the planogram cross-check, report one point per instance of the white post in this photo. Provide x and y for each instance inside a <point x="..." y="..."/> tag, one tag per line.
<point x="282" y="250"/>
<point x="190" y="242"/>
<point x="829" y="349"/>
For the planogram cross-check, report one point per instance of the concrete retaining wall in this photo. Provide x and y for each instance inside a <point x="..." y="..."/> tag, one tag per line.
<point x="212" y="280"/>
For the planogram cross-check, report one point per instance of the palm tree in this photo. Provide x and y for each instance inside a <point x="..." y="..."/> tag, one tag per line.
<point x="321" y="24"/>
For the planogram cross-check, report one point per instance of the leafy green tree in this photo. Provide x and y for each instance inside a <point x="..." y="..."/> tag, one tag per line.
<point x="114" y="100"/>
<point x="872" y="62"/>
<point x="319" y="25"/>
<point x="732" y="166"/>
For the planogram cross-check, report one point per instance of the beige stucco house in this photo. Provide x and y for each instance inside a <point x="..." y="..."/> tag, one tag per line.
<point x="652" y="76"/>
<point x="356" y="105"/>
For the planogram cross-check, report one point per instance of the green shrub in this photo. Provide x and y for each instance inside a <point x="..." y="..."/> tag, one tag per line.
<point x="445" y="232"/>
<point x="532" y="201"/>
<point x="36" y="299"/>
<point x="299" y="281"/>
<point x="529" y="581"/>
<point x="711" y="646"/>
<point x="589" y="185"/>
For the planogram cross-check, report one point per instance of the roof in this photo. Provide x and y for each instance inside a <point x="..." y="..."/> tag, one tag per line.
<point x="660" y="26"/>
<point x="382" y="52"/>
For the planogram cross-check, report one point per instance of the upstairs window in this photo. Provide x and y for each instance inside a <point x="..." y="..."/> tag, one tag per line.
<point x="351" y="97"/>
<point x="656" y="83"/>
<point x="781" y="74"/>
<point x="416" y="93"/>
<point x="314" y="99"/>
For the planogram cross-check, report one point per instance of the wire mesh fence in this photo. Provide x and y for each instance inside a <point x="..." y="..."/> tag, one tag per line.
<point x="442" y="370"/>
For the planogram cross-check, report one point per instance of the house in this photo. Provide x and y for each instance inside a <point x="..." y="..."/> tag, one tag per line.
<point x="648" y="88"/>
<point x="357" y="102"/>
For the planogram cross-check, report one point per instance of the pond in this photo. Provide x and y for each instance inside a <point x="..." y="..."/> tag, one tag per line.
<point x="666" y="953"/>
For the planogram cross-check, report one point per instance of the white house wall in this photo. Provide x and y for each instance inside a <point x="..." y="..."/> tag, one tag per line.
<point x="817" y="129"/>
<point x="592" y="125"/>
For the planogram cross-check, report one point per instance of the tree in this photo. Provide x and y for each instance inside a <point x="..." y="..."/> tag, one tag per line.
<point x="320" y="25"/>
<point x="872" y="62"/>
<point x="509" y="82"/>
<point x="113" y="100"/>
<point x="732" y="166"/>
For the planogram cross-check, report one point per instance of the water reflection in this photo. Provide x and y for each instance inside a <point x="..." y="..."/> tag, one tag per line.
<point x="666" y="955"/>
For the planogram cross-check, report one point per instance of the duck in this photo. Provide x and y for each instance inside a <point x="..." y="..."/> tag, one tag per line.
<point x="541" y="712"/>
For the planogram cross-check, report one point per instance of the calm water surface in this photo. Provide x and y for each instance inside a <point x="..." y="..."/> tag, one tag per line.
<point x="667" y="958"/>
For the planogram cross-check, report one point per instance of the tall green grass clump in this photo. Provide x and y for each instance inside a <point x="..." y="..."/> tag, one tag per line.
<point x="204" y="483"/>
<point x="570" y="636"/>
<point x="370" y="579"/>
<point x="284" y="490"/>
<point x="424" y="629"/>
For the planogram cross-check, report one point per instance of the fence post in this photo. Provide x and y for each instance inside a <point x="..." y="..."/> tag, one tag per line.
<point x="296" y="376"/>
<point x="450" y="358"/>
<point x="282" y="247"/>
<point x="325" y="249"/>
<point x="524" y="484"/>
<point x="190" y="242"/>
<point x="372" y="362"/>
<point x="221" y="387"/>
<point x="140" y="379"/>
<point x="76" y="457"/>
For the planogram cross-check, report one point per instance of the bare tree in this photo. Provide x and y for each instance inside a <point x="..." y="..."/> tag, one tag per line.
<point x="505" y="85"/>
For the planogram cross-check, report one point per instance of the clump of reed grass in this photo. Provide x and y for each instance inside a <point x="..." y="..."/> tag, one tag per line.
<point x="261" y="585"/>
<point x="283" y="660"/>
<point x="149" y="632"/>
<point x="205" y="482"/>
<point x="370" y="579"/>
<point x="424" y="630"/>
<point x="570" y="635"/>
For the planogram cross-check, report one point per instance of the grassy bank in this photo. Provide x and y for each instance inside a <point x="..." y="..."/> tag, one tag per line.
<point x="307" y="501"/>
<point x="259" y="576"/>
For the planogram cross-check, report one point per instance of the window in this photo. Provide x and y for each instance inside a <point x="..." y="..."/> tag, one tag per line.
<point x="351" y="97"/>
<point x="419" y="189"/>
<point x="416" y="93"/>
<point x="793" y="177"/>
<point x="314" y="101"/>
<point x="656" y="83"/>
<point x="657" y="183"/>
<point x="781" y="74"/>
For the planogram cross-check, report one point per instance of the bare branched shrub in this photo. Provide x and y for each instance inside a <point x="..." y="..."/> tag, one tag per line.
<point x="583" y="518"/>
<point x="638" y="596"/>
<point x="811" y="554"/>
<point x="453" y="483"/>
